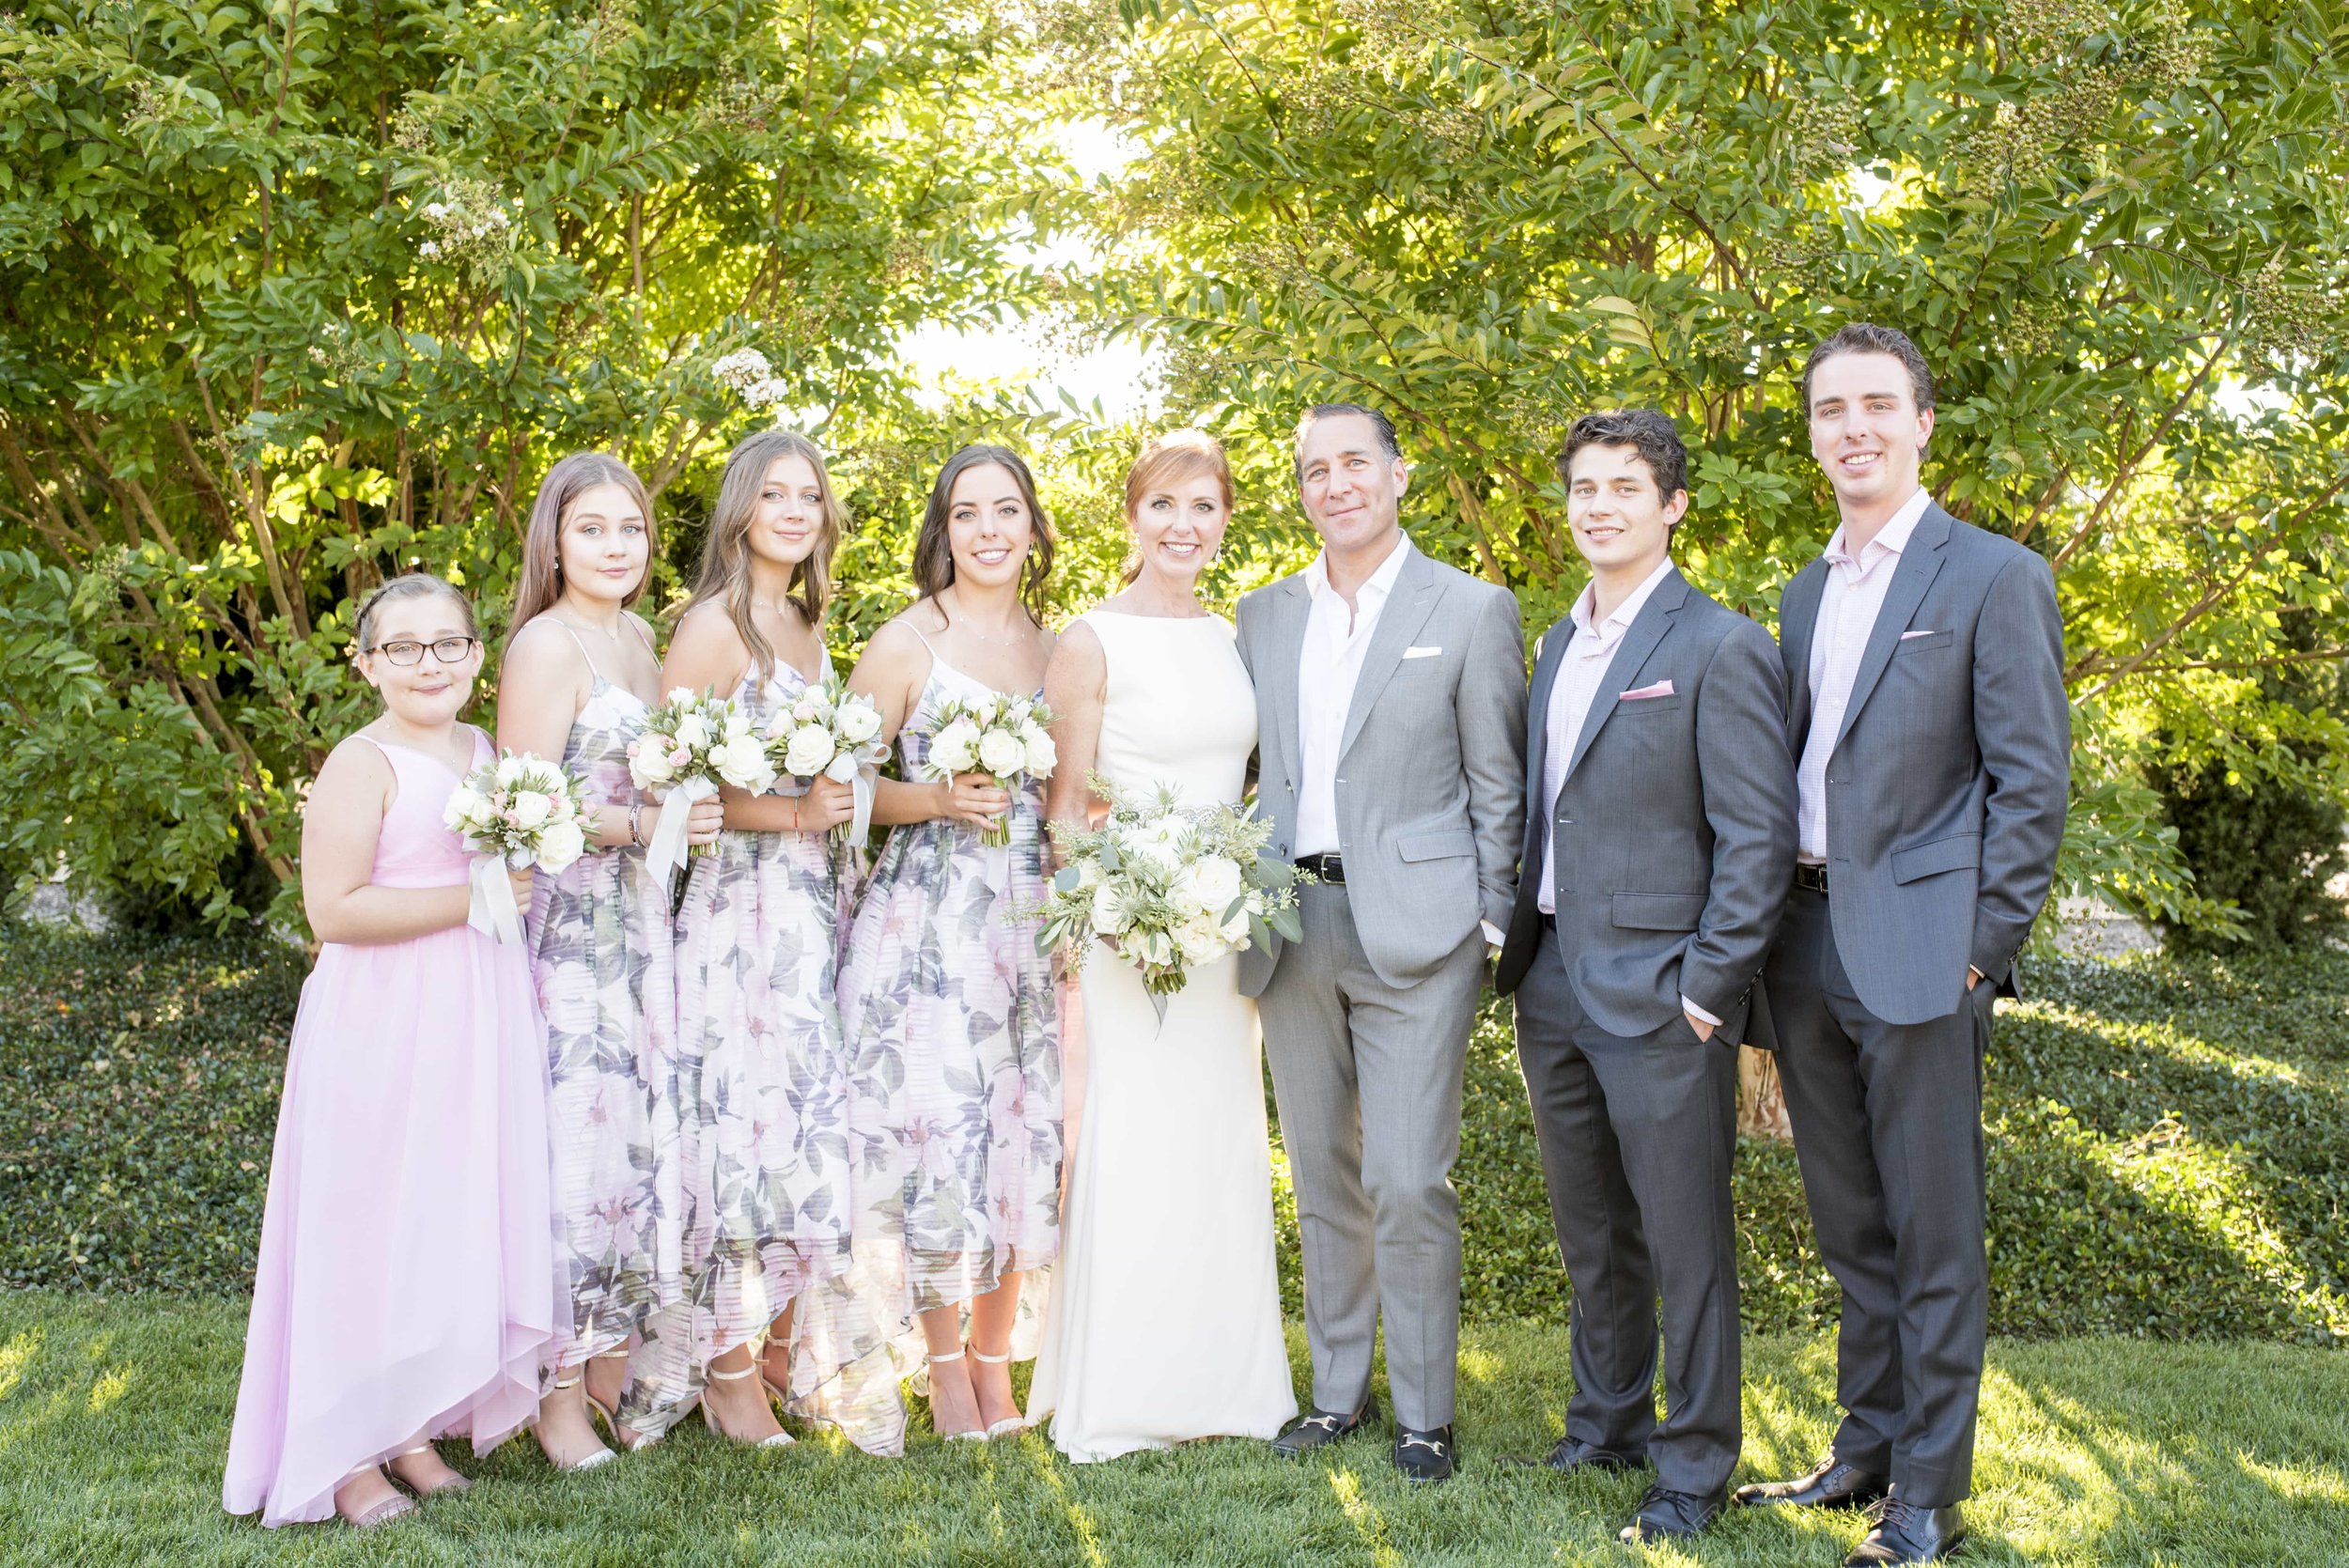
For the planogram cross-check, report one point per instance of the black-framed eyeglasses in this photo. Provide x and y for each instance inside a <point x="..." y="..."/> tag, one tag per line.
<point x="446" y="650"/>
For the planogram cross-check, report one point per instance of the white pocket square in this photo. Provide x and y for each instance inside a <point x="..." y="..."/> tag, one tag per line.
<point x="1906" y="635"/>
<point x="1661" y="688"/>
<point x="1420" y="653"/>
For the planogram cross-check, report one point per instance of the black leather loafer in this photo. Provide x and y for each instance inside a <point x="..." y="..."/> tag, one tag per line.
<point x="1425" y="1455"/>
<point x="1573" y="1457"/>
<point x="1667" y="1516"/>
<point x="1833" y="1484"/>
<point x="1321" y="1428"/>
<point x="1904" y="1533"/>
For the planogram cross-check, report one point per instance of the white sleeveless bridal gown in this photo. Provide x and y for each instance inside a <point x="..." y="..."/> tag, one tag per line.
<point x="1165" y="1318"/>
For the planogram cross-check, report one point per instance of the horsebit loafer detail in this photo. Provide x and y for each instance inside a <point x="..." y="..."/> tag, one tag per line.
<point x="1427" y="1455"/>
<point x="1321" y="1428"/>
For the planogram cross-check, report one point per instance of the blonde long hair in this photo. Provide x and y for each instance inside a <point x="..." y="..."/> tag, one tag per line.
<point x="725" y="574"/>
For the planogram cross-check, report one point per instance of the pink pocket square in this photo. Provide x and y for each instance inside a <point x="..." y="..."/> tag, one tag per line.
<point x="1661" y="688"/>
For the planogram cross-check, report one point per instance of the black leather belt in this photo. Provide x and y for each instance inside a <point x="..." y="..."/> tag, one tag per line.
<point x="1330" y="868"/>
<point x="1810" y="878"/>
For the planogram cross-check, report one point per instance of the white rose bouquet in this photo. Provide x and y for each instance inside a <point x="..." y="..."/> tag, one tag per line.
<point x="690" y="745"/>
<point x="831" y="733"/>
<point x="1169" y="886"/>
<point x="519" y="811"/>
<point x="1003" y="736"/>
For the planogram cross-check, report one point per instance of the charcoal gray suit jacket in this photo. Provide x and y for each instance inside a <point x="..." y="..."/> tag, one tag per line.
<point x="1947" y="788"/>
<point x="1674" y="826"/>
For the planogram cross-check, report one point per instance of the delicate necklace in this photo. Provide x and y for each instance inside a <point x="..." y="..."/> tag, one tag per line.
<point x="969" y="629"/>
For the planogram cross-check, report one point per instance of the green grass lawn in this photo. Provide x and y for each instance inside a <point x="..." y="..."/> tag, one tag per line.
<point x="113" y="1419"/>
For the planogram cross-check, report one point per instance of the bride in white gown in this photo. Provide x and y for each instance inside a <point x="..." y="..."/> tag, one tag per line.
<point x="1164" y="1322"/>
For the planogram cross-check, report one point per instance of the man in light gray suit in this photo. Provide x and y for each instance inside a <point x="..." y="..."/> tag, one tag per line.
<point x="1659" y="843"/>
<point x="1925" y="673"/>
<point x="1390" y="707"/>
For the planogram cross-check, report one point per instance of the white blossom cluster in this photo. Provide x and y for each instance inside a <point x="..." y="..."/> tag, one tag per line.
<point x="746" y="374"/>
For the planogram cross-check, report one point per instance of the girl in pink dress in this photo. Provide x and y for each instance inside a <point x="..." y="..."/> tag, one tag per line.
<point x="405" y="1290"/>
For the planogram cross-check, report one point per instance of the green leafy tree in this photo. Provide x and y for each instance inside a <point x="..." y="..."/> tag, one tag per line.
<point x="2120" y="234"/>
<point x="296" y="294"/>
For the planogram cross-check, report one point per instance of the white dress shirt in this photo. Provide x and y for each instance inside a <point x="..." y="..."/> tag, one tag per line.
<point x="1581" y="677"/>
<point x="1336" y="637"/>
<point x="1848" y="605"/>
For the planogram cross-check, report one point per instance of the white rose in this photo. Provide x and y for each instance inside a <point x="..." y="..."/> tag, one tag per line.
<point x="742" y="763"/>
<point x="1042" y="756"/>
<point x="1088" y="874"/>
<point x="529" y="809"/>
<point x="1111" y="913"/>
<point x="1212" y="882"/>
<point x="808" y="750"/>
<point x="811" y="706"/>
<point x="650" y="766"/>
<point x="1156" y="947"/>
<point x="956" y="747"/>
<point x="1001" y="753"/>
<point x="560" y="845"/>
<point x="510" y="768"/>
<point x="1201" y="941"/>
<point x="693" y="731"/>
<point x="857" y="722"/>
<point x="680" y="694"/>
<point x="464" y="809"/>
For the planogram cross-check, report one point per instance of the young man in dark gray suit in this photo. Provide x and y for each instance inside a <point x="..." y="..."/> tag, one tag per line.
<point x="1924" y="671"/>
<point x="1659" y="843"/>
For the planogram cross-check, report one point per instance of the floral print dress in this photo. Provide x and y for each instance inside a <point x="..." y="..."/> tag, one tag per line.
<point x="602" y="953"/>
<point x="762" y="1088"/>
<point x="954" y="1081"/>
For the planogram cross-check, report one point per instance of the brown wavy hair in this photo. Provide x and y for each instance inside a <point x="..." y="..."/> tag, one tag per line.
<point x="1165" y="459"/>
<point x="934" y="551"/>
<point x="726" y="573"/>
<point x="542" y="543"/>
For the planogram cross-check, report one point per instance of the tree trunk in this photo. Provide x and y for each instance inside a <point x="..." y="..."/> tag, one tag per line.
<point x="1761" y="1099"/>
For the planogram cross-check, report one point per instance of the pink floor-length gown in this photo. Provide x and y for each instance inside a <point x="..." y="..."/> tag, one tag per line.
<point x="406" y="1277"/>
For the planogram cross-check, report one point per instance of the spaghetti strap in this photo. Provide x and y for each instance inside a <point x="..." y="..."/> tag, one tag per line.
<point x="643" y="633"/>
<point x="576" y="643"/>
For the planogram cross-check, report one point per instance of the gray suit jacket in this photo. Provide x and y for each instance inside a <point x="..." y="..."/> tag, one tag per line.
<point x="1429" y="786"/>
<point x="1675" y="824"/>
<point x="1946" y="790"/>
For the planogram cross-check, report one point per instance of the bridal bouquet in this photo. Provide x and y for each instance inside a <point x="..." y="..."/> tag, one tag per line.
<point x="830" y="733"/>
<point x="1171" y="886"/>
<point x="1003" y="736"/>
<point x="690" y="745"/>
<point x="519" y="811"/>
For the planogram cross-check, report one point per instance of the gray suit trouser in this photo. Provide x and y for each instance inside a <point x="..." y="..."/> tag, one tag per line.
<point x="1367" y="1078"/>
<point x="1887" y="1130"/>
<point x="1636" y="1136"/>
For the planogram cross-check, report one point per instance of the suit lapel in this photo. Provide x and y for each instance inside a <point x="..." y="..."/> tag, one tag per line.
<point x="1407" y="609"/>
<point x="1648" y="630"/>
<point x="1554" y="644"/>
<point x="1285" y="648"/>
<point x="1797" y="621"/>
<point x="1920" y="563"/>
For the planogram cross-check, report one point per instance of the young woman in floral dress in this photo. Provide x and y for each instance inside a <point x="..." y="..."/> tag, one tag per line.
<point x="762" y="1088"/>
<point x="580" y="676"/>
<point x="949" y="1008"/>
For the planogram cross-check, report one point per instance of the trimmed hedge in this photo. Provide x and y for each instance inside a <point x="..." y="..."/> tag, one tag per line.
<point x="2169" y="1143"/>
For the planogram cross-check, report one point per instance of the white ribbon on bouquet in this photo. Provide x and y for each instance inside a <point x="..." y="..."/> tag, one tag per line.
<point x="667" y="850"/>
<point x="491" y="910"/>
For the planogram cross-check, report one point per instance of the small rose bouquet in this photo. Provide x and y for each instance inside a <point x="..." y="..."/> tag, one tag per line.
<point x="690" y="745"/>
<point x="831" y="733"/>
<point x="1001" y="736"/>
<point x="519" y="811"/>
<point x="1170" y="886"/>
